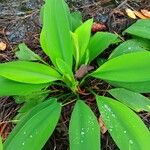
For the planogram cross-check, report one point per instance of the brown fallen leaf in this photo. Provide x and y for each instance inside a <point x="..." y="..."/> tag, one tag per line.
<point x="130" y="13"/>
<point x="82" y="71"/>
<point x="145" y="12"/>
<point x="139" y="14"/>
<point x="102" y="125"/>
<point x="2" y="46"/>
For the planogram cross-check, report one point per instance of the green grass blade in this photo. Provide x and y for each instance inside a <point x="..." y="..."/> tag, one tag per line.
<point x="125" y="127"/>
<point x="35" y="128"/>
<point x="84" y="131"/>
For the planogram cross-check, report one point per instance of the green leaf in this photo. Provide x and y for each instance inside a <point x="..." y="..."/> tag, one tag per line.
<point x="76" y="49"/>
<point x="67" y="73"/>
<point x="99" y="42"/>
<point x="140" y="28"/>
<point x="1" y="145"/>
<point x="133" y="100"/>
<point x="84" y="130"/>
<point x="75" y="20"/>
<point x="130" y="68"/>
<point x="140" y="87"/>
<point x="129" y="46"/>
<point x="30" y="102"/>
<point x="35" y="128"/>
<point x="65" y="69"/>
<point x="83" y="34"/>
<point x="28" y="72"/>
<point x="55" y="37"/>
<point x="125" y="127"/>
<point x="25" y="53"/>
<point x="9" y="87"/>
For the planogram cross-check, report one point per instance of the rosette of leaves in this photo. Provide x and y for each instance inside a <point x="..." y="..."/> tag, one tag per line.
<point x="68" y="43"/>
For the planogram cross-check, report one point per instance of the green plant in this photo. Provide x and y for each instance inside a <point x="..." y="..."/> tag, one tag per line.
<point x="1" y="146"/>
<point x="69" y="44"/>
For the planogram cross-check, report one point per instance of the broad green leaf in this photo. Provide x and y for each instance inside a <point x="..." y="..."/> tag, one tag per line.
<point x="35" y="128"/>
<point x="9" y="87"/>
<point x="36" y="96"/>
<point x="28" y="72"/>
<point x="132" y="68"/>
<point x="129" y="46"/>
<point x="99" y="42"/>
<point x="55" y="37"/>
<point x="30" y="102"/>
<point x="101" y="61"/>
<point x="140" y="87"/>
<point x="67" y="73"/>
<point x="65" y="69"/>
<point x="75" y="20"/>
<point x="126" y="128"/>
<point x="133" y="100"/>
<point x="41" y="15"/>
<point x="83" y="34"/>
<point x="84" y="130"/>
<point x="76" y="49"/>
<point x="140" y="28"/>
<point x="1" y="145"/>
<point x="25" y="53"/>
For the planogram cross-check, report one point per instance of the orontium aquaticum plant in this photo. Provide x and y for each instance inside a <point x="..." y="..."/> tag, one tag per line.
<point x="69" y="45"/>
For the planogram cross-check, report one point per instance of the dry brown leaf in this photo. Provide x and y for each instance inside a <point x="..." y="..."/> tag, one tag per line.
<point x="130" y="13"/>
<point x="140" y="15"/>
<point x="145" y="12"/>
<point x="2" y="46"/>
<point x="83" y="70"/>
<point x="102" y="125"/>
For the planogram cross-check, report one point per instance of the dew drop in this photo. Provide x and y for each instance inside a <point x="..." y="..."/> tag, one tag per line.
<point x="108" y="117"/>
<point x="81" y="141"/>
<point x="82" y="133"/>
<point x="92" y="129"/>
<point x="113" y="115"/>
<point x="129" y="48"/>
<point x="130" y="141"/>
<point x="24" y="132"/>
<point x="124" y="131"/>
<point x="23" y="143"/>
<point x="31" y="136"/>
<point x="107" y="107"/>
<point x="110" y="130"/>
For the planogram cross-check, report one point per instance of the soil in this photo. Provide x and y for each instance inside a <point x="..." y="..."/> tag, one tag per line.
<point x="20" y="22"/>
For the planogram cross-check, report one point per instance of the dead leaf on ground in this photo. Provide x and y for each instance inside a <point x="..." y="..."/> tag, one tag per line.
<point x="102" y="125"/>
<point x="130" y="13"/>
<point x="139" y="14"/>
<point x="145" y="13"/>
<point x="2" y="46"/>
<point x="82" y="71"/>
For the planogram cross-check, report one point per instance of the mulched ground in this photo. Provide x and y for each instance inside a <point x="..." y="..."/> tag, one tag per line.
<point x="19" y="22"/>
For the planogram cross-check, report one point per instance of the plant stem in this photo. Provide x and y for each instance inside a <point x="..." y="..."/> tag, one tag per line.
<point x="68" y="103"/>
